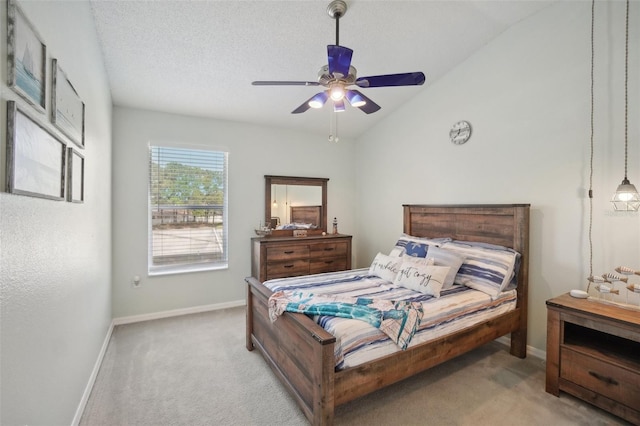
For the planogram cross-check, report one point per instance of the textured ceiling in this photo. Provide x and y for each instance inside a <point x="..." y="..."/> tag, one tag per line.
<point x="199" y="57"/>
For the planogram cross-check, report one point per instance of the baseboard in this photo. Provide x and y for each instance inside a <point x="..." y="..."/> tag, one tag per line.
<point x="138" y="318"/>
<point x="92" y="377"/>
<point x="535" y="352"/>
<point x="178" y="312"/>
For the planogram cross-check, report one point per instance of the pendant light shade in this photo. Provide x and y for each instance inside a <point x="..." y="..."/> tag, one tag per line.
<point x="626" y="197"/>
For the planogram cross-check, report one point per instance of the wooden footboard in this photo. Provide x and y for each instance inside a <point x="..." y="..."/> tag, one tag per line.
<point x="301" y="353"/>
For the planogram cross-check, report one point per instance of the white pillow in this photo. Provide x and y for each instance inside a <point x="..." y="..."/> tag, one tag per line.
<point x="427" y="279"/>
<point x="443" y="257"/>
<point x="418" y="260"/>
<point x="385" y="267"/>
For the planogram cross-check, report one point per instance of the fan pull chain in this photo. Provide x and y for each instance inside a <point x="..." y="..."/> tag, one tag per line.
<point x="333" y="127"/>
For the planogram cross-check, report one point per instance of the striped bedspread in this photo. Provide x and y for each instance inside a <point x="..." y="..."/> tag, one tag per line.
<point x="358" y="342"/>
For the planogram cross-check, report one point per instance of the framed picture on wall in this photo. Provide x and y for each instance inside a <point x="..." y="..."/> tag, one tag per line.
<point x="35" y="158"/>
<point x="26" y="58"/>
<point x="75" y="176"/>
<point x="67" y="109"/>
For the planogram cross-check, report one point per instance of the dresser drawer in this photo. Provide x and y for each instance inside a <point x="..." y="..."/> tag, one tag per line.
<point x="290" y="268"/>
<point x="328" y="264"/>
<point x="287" y="252"/>
<point x="602" y="377"/>
<point x="328" y="249"/>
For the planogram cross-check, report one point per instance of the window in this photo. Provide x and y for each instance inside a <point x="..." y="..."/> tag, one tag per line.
<point x="187" y="210"/>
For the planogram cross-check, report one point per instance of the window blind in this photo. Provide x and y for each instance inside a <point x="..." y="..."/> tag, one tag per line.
<point x="187" y="209"/>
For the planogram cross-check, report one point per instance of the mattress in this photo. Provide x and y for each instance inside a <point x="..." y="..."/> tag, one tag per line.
<point x="357" y="342"/>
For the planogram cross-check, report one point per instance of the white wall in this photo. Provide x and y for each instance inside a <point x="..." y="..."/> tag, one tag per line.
<point x="55" y="256"/>
<point x="527" y="96"/>
<point x="253" y="152"/>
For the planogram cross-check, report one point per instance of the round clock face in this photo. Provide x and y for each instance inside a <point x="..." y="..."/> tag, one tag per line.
<point x="460" y="132"/>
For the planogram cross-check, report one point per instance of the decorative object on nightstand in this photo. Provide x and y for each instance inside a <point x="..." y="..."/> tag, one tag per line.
<point x="460" y="132"/>
<point x="626" y="197"/>
<point x="607" y="282"/>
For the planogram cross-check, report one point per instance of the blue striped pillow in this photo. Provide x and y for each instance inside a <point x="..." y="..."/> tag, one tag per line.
<point x="488" y="268"/>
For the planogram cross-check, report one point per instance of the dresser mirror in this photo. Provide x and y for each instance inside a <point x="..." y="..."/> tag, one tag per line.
<point x="295" y="203"/>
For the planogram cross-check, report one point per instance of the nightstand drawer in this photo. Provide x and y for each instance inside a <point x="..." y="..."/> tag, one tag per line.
<point x="288" y="269"/>
<point x="328" y="249"/>
<point x="329" y="264"/>
<point x="287" y="252"/>
<point x="607" y="379"/>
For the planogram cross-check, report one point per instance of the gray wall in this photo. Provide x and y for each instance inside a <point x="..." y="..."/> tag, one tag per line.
<point x="55" y="256"/>
<point x="254" y="151"/>
<point x="527" y="96"/>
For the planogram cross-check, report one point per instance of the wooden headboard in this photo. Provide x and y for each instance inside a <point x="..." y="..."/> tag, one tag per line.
<point x="502" y="224"/>
<point x="306" y="214"/>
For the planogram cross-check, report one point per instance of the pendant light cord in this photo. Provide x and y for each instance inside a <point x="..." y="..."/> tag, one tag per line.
<point x="626" y="79"/>
<point x="593" y="3"/>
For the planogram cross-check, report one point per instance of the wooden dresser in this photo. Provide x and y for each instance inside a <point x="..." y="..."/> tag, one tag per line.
<point x="593" y="353"/>
<point x="280" y="257"/>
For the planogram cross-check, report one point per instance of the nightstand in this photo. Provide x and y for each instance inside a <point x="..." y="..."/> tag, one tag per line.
<point x="593" y="353"/>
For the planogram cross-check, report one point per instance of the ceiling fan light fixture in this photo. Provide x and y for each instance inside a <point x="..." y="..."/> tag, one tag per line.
<point x="338" y="106"/>
<point x="318" y="100"/>
<point x="337" y="92"/>
<point x="355" y="100"/>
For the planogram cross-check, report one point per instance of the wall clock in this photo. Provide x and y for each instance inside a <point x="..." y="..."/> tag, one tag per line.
<point x="460" y="132"/>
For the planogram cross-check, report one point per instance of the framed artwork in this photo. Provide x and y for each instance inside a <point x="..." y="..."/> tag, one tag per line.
<point x="67" y="109"/>
<point x="75" y="176"/>
<point x="35" y="158"/>
<point x="26" y="58"/>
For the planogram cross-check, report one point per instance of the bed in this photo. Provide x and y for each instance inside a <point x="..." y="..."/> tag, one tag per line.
<point x="301" y="353"/>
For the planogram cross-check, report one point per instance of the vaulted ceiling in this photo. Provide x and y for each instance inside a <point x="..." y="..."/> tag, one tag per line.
<point x="199" y="57"/>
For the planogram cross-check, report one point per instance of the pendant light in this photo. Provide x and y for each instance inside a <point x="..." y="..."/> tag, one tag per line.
<point x="275" y="199"/>
<point x="626" y="197"/>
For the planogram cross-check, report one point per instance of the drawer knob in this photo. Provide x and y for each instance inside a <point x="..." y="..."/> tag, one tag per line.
<point x="607" y="380"/>
<point x="288" y="252"/>
<point x="288" y="266"/>
<point x="328" y="249"/>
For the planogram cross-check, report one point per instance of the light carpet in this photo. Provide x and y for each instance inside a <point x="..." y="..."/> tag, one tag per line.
<point x="195" y="370"/>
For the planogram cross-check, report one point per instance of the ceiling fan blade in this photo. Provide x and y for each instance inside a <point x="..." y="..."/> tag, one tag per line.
<point x="369" y="106"/>
<point x="339" y="59"/>
<point x="285" y="83"/>
<point x="405" y="79"/>
<point x="319" y="98"/>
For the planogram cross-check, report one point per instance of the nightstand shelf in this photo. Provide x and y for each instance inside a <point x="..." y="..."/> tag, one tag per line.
<point x="593" y="353"/>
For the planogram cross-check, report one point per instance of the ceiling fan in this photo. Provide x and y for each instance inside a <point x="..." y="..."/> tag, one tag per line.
<point x="339" y="74"/>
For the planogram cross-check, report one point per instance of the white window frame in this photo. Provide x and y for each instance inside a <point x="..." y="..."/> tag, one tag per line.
<point x="154" y="270"/>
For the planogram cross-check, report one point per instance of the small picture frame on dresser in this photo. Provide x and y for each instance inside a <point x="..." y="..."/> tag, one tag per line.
<point x="298" y="233"/>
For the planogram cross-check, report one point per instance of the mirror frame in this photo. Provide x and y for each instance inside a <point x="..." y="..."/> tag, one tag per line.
<point x="293" y="180"/>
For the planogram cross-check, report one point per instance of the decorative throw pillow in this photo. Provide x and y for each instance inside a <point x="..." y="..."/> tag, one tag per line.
<point x="385" y="267"/>
<point x="488" y="268"/>
<point x="427" y="279"/>
<point x="443" y="257"/>
<point x="415" y="246"/>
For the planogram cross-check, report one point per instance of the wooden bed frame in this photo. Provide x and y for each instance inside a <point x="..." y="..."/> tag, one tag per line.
<point x="301" y="353"/>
